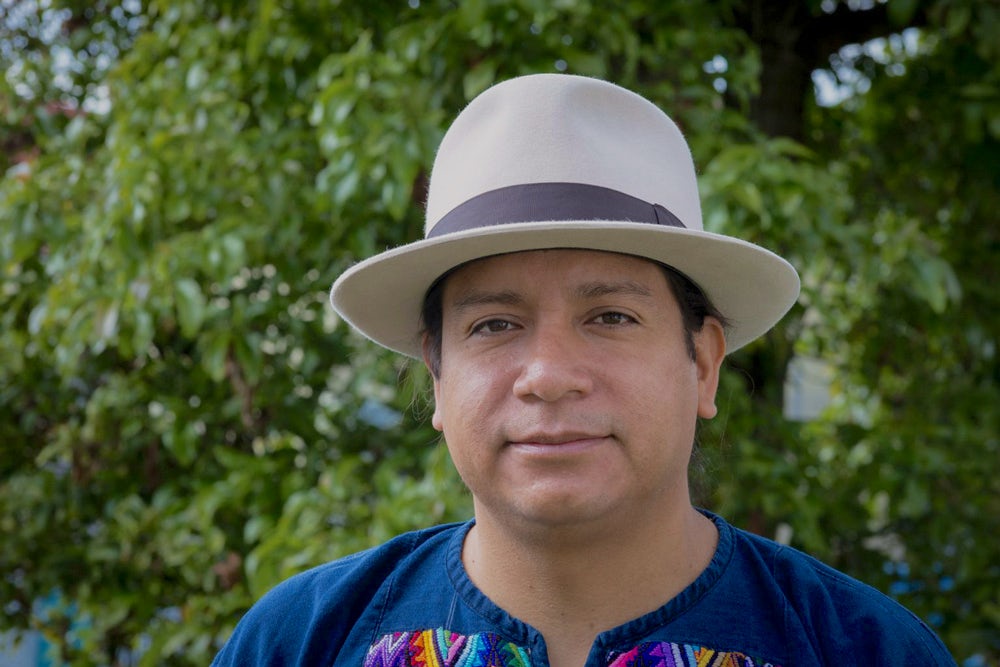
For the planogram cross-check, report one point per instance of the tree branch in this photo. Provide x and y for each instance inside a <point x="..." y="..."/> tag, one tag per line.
<point x="826" y="34"/>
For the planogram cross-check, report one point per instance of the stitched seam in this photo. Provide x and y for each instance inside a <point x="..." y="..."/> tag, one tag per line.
<point x="888" y="605"/>
<point x="384" y="605"/>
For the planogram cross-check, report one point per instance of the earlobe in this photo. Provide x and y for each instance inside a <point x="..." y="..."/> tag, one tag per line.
<point x="710" y="347"/>
<point x="437" y="420"/>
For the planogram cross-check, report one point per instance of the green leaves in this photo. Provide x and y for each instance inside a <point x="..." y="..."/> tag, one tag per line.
<point x="181" y="407"/>
<point x="935" y="282"/>
<point x="190" y="306"/>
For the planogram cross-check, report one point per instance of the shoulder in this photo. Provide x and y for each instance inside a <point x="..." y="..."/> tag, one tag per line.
<point x="355" y="575"/>
<point x="306" y="618"/>
<point x="835" y="613"/>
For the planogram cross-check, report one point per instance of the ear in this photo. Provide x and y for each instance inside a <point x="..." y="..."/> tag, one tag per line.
<point x="437" y="419"/>
<point x="710" y="350"/>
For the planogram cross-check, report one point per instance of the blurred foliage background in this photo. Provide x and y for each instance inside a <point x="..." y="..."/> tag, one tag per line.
<point x="184" y="422"/>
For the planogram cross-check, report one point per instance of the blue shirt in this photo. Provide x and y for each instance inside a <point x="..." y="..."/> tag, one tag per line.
<point x="410" y="602"/>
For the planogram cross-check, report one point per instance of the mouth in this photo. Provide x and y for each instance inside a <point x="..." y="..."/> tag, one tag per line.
<point x="561" y="443"/>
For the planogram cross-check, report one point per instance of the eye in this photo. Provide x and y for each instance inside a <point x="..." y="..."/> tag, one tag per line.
<point x="614" y="318"/>
<point x="492" y="327"/>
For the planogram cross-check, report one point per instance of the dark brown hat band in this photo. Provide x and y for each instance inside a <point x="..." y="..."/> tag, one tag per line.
<point x="542" y="202"/>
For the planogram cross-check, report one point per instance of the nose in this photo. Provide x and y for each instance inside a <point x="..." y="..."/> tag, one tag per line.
<point x="554" y="364"/>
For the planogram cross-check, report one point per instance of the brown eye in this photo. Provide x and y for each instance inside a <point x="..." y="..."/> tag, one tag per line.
<point x="492" y="326"/>
<point x="614" y="319"/>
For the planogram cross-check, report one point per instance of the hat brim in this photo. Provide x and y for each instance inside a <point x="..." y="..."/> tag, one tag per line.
<point x="751" y="286"/>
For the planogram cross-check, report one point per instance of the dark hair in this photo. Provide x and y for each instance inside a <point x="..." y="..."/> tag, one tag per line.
<point x="694" y="304"/>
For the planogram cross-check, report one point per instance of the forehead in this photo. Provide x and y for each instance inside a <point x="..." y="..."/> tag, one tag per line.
<point x="569" y="262"/>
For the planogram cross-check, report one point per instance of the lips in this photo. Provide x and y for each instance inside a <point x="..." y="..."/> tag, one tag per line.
<point x="561" y="441"/>
<point x="553" y="438"/>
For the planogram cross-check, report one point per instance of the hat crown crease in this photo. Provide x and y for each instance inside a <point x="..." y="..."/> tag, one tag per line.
<point x="559" y="128"/>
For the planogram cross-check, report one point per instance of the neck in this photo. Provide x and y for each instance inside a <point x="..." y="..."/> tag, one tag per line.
<point x="573" y="584"/>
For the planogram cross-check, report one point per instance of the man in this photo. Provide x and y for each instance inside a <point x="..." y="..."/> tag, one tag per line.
<point x="574" y="316"/>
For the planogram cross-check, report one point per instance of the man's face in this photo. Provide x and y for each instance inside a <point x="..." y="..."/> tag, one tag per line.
<point x="566" y="393"/>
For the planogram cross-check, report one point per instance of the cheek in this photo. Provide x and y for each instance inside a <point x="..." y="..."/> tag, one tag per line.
<point x="469" y="432"/>
<point x="669" y="399"/>
<point x="464" y="403"/>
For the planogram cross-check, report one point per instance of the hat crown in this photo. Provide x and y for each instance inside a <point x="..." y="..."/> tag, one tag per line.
<point x="556" y="128"/>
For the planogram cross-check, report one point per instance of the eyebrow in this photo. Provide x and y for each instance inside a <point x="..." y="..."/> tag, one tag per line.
<point x="486" y="298"/>
<point x="598" y="289"/>
<point x="590" y="290"/>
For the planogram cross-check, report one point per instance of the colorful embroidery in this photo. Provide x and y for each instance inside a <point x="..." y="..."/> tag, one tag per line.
<point x="442" y="648"/>
<point x="666" y="654"/>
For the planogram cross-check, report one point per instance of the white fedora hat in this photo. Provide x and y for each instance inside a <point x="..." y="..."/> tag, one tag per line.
<point x="561" y="161"/>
